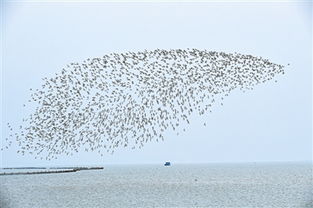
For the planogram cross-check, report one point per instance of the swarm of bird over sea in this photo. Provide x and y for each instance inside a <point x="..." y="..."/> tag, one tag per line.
<point x="129" y="99"/>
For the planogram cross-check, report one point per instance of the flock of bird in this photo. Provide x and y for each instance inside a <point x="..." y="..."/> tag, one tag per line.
<point x="128" y="99"/>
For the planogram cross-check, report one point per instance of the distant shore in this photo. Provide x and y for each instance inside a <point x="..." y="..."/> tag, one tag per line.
<point x="48" y="170"/>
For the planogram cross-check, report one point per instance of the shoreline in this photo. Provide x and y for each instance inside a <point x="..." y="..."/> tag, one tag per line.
<point x="49" y="170"/>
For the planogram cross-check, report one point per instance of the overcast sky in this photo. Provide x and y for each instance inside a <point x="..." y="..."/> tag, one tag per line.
<point x="273" y="122"/>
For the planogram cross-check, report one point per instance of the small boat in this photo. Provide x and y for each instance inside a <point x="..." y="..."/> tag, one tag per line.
<point x="167" y="164"/>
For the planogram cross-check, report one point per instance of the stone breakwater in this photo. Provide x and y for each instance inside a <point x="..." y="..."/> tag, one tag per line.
<point x="48" y="170"/>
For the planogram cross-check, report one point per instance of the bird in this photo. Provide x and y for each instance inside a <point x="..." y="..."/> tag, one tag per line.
<point x="131" y="98"/>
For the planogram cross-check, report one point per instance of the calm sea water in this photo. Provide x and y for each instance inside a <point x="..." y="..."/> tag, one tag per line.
<point x="209" y="185"/>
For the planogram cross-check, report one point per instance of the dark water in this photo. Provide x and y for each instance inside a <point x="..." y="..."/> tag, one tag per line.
<point x="205" y="185"/>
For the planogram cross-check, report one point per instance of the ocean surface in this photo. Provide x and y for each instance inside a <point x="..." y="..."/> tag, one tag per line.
<point x="201" y="185"/>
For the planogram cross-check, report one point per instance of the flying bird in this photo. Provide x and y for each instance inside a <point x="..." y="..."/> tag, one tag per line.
<point x="129" y="99"/>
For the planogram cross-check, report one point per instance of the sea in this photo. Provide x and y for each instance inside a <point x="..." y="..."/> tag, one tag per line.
<point x="179" y="185"/>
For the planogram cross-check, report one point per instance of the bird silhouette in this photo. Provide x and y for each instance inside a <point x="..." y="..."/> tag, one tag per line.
<point x="128" y="99"/>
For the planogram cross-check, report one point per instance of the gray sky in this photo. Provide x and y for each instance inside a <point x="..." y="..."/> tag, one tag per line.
<point x="271" y="123"/>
